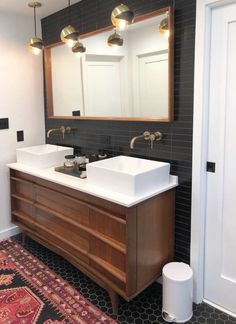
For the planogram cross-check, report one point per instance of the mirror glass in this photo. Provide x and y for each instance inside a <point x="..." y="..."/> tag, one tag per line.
<point x="132" y="81"/>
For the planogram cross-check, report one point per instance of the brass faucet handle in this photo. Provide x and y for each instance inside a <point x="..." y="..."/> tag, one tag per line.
<point x="158" y="136"/>
<point x="69" y="129"/>
<point x="146" y="135"/>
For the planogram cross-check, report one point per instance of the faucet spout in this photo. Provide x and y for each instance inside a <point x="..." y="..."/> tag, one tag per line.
<point x="50" y="131"/>
<point x="133" y="140"/>
<point x="145" y="135"/>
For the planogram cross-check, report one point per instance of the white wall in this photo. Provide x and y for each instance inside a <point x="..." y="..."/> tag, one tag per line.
<point x="21" y="86"/>
<point x="67" y="88"/>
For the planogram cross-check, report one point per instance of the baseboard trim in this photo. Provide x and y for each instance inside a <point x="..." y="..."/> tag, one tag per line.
<point x="219" y="307"/>
<point x="5" y="234"/>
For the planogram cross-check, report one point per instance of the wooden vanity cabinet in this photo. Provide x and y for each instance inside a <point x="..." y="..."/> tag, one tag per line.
<point x="122" y="249"/>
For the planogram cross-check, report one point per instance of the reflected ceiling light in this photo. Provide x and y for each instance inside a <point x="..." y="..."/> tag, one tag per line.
<point x="35" y="43"/>
<point x="69" y="35"/>
<point x="115" y="40"/>
<point x="121" y="16"/>
<point x="78" y="48"/>
<point x="164" y="26"/>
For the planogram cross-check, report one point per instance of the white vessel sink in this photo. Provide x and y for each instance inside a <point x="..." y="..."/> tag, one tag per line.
<point x="128" y="175"/>
<point x="43" y="156"/>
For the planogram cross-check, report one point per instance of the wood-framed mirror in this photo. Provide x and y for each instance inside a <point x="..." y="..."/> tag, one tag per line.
<point x="133" y="82"/>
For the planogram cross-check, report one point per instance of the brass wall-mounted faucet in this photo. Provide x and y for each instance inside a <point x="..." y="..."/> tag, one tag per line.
<point x="62" y="129"/>
<point x="147" y="136"/>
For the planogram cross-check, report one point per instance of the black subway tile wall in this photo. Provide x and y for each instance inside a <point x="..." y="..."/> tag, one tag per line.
<point x="114" y="136"/>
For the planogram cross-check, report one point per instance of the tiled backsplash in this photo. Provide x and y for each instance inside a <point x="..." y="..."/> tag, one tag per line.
<point x="115" y="136"/>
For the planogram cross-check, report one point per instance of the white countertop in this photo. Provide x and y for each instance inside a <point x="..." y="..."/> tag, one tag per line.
<point x="81" y="185"/>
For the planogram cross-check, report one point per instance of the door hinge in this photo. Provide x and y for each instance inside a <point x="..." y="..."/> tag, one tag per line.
<point x="211" y="167"/>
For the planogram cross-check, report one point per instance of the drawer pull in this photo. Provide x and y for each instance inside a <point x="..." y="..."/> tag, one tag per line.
<point x="25" y="199"/>
<point x="21" y="180"/>
<point x="24" y="217"/>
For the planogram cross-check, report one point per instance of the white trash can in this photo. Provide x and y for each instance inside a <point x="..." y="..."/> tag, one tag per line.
<point x="177" y="302"/>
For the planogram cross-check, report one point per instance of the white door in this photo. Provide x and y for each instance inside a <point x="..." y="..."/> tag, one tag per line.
<point x="220" y="253"/>
<point x="152" y="90"/>
<point x="103" y="95"/>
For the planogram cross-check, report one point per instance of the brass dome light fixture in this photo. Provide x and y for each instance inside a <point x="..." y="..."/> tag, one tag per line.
<point x="78" y="48"/>
<point x="69" y="35"/>
<point x="164" y="26"/>
<point x="121" y="16"/>
<point x="35" y="43"/>
<point x="115" y="40"/>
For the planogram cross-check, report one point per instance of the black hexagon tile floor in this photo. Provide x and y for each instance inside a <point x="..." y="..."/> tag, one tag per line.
<point x="144" y="309"/>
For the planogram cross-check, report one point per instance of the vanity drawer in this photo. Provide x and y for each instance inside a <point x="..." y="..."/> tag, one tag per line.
<point x="63" y="247"/>
<point x="116" y="277"/>
<point x="107" y="253"/>
<point x="25" y="207"/>
<point x="64" y="233"/>
<point x="23" y="176"/>
<point x="63" y="204"/>
<point x="108" y="224"/>
<point x="22" y="219"/>
<point x="23" y="187"/>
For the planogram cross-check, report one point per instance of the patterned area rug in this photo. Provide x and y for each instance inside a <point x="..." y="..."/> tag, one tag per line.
<point x="32" y="293"/>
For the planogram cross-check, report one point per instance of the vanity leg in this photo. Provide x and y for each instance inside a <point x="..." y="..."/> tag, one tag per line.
<point x="114" y="301"/>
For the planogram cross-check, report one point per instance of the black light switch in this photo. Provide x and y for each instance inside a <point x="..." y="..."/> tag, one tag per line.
<point x="20" y="136"/>
<point x="4" y="123"/>
<point x="211" y="167"/>
<point x="76" y="113"/>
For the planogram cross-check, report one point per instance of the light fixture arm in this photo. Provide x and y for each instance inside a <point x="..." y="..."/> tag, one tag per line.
<point x="35" y="25"/>
<point x="35" y="5"/>
<point x="69" y="11"/>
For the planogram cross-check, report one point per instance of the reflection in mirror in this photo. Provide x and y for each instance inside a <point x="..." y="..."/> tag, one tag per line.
<point x="129" y="81"/>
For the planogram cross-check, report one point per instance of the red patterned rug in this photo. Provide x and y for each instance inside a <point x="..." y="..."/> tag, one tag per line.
<point x="32" y="293"/>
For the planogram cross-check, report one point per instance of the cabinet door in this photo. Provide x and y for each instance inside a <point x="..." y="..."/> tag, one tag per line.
<point x="155" y="236"/>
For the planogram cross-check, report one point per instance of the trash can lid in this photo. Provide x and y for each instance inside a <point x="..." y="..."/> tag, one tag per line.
<point x="177" y="271"/>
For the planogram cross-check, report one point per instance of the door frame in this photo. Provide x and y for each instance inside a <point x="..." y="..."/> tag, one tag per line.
<point x="200" y="140"/>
